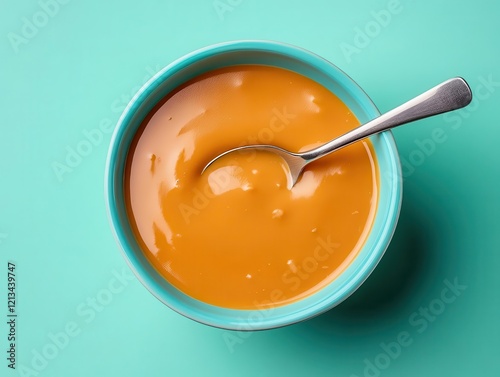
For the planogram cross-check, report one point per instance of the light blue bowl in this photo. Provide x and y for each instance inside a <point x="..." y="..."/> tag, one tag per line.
<point x="264" y="53"/>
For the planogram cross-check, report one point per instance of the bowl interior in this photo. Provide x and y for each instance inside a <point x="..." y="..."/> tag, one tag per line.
<point x="264" y="53"/>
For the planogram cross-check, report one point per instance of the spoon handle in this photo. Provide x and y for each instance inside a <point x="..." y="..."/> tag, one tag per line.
<point x="450" y="95"/>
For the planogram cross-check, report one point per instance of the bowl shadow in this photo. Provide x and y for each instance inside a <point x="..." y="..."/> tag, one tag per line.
<point x="406" y="267"/>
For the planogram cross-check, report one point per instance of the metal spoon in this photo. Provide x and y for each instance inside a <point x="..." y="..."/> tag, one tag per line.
<point x="450" y="95"/>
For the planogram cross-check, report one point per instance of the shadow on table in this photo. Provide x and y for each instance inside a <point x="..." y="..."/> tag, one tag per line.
<point x="407" y="267"/>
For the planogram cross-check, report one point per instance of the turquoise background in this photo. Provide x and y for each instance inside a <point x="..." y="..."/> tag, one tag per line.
<point x="75" y="72"/>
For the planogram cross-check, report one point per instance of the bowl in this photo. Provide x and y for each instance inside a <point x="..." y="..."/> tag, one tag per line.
<point x="263" y="53"/>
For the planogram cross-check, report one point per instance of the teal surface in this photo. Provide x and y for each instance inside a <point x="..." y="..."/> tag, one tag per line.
<point x="68" y="68"/>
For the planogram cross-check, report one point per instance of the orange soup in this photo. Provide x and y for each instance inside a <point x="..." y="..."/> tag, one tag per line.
<point x="236" y="236"/>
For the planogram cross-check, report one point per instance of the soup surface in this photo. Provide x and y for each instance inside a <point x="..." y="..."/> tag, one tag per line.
<point x="236" y="236"/>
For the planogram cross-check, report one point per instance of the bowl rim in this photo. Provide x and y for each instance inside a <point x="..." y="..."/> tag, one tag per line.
<point x="216" y="320"/>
